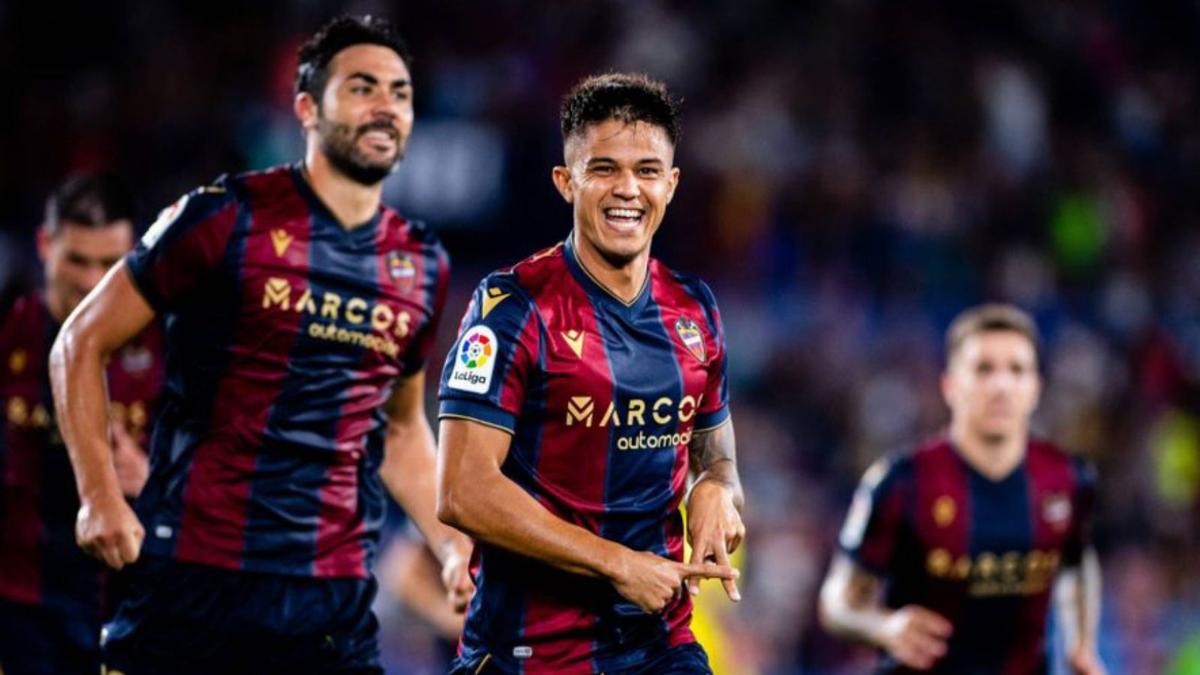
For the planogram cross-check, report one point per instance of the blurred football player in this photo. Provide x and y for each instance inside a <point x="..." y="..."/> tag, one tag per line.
<point x="951" y="553"/>
<point x="50" y="591"/>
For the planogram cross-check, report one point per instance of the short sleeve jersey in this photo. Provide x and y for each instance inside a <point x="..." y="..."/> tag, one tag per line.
<point x="983" y="553"/>
<point x="602" y="398"/>
<point x="285" y="334"/>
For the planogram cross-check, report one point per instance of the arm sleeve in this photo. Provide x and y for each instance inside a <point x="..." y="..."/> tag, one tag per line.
<point x="491" y="365"/>
<point x="1083" y="506"/>
<point x="875" y="519"/>
<point x="183" y="246"/>
<point x="422" y="343"/>
<point x="714" y="410"/>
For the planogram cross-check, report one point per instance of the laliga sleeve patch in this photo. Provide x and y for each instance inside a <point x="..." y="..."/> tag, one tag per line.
<point x="165" y="218"/>
<point x="474" y="361"/>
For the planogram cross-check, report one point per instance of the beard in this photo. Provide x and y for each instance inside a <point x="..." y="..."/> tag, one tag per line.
<point x="339" y="143"/>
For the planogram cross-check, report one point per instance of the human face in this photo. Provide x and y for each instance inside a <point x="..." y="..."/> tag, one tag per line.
<point x="992" y="385"/>
<point x="619" y="177"/>
<point x="366" y="113"/>
<point x="76" y="257"/>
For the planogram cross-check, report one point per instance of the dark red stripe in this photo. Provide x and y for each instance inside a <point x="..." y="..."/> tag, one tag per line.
<point x="512" y="391"/>
<point x="222" y="467"/>
<point x="940" y="473"/>
<point x="21" y="552"/>
<point x="571" y="466"/>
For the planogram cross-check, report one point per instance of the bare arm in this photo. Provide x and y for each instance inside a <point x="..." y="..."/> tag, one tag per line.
<point x="1077" y="600"/>
<point x="476" y="497"/>
<point x="851" y="607"/>
<point x="410" y="473"/>
<point x="715" y="527"/>
<point x="107" y="318"/>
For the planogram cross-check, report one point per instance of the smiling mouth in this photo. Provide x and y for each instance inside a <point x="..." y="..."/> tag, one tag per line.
<point x="624" y="218"/>
<point x="382" y="139"/>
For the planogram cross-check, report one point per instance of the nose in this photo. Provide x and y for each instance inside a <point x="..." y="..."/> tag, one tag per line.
<point x="626" y="186"/>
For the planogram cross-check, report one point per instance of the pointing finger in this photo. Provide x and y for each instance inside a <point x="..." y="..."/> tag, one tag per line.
<point x="730" y="585"/>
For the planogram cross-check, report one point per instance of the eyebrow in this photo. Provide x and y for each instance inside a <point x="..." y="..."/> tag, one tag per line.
<point x="610" y="160"/>
<point x="371" y="79"/>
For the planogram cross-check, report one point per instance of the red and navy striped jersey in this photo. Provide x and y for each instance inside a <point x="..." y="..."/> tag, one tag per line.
<point x="601" y="398"/>
<point x="40" y="564"/>
<point x="983" y="553"/>
<point x="286" y="332"/>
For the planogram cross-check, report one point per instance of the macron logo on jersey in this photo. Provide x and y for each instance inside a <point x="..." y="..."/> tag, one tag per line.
<point x="475" y="361"/>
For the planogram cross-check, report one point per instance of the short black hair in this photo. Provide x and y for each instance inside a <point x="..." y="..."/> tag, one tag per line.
<point x="626" y="97"/>
<point x="90" y="200"/>
<point x="312" y="73"/>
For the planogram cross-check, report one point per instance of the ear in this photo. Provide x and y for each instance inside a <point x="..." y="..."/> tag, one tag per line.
<point x="306" y="109"/>
<point x="43" y="243"/>
<point x="672" y="183"/>
<point x="947" y="387"/>
<point x="561" y="176"/>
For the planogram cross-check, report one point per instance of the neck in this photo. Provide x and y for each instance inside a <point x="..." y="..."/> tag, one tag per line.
<point x="992" y="457"/>
<point x="351" y="202"/>
<point x="624" y="280"/>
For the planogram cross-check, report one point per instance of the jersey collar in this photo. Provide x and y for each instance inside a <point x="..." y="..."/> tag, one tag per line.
<point x="598" y="291"/>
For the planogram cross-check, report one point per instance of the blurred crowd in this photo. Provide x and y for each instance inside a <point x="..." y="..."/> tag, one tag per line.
<point x="854" y="173"/>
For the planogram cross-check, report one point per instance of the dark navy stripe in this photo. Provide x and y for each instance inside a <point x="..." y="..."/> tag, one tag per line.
<point x="999" y="524"/>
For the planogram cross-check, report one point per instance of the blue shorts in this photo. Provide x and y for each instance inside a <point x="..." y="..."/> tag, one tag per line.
<point x="688" y="659"/>
<point x="179" y="618"/>
<point x="41" y="640"/>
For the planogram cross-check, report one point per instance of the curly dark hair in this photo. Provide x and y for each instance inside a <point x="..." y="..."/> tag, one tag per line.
<point x="344" y="31"/>
<point x="626" y="97"/>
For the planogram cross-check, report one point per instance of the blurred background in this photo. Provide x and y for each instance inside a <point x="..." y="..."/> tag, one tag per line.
<point x="855" y="172"/>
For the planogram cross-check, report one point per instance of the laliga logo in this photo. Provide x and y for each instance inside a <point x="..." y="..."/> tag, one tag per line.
<point x="476" y="351"/>
<point x="476" y="361"/>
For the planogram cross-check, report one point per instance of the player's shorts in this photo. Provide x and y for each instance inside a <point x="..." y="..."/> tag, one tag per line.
<point x="688" y="659"/>
<point x="40" y="640"/>
<point x="177" y="618"/>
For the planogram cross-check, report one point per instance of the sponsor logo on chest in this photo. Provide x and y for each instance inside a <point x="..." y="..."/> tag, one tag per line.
<point x="372" y="325"/>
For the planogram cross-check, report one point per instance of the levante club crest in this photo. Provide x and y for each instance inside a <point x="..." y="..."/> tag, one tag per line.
<point x="689" y="334"/>
<point x="401" y="268"/>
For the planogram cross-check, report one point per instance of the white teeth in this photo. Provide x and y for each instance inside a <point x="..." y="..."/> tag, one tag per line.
<point x="379" y="136"/>
<point x="623" y="213"/>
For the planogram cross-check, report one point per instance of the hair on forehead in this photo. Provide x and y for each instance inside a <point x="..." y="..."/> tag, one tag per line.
<point x="625" y="97"/>
<point x="344" y="31"/>
<point x="990" y="318"/>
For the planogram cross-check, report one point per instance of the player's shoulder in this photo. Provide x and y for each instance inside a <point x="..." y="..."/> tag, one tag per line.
<point x="410" y="230"/>
<point x="539" y="271"/>
<point x="1046" y="453"/>
<point x="691" y="284"/>
<point x="530" y="278"/>
<point x="894" y="466"/>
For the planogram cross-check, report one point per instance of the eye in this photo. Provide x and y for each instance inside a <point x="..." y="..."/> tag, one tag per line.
<point x="360" y="89"/>
<point x="400" y="95"/>
<point x="602" y="170"/>
<point x="649" y="171"/>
